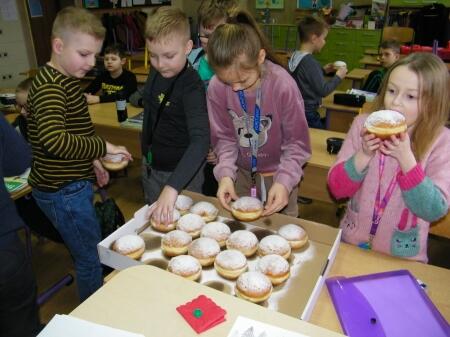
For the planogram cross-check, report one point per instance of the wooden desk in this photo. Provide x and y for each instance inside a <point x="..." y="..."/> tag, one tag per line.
<point x="373" y="52"/>
<point x="338" y="117"/>
<point x="358" y="76"/>
<point x="314" y="183"/>
<point x="370" y="62"/>
<point x="353" y="261"/>
<point x="143" y="299"/>
<point x="104" y="118"/>
<point x="141" y="70"/>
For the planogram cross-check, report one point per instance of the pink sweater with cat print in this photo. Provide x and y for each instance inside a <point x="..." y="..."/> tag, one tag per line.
<point x="423" y="191"/>
<point x="284" y="145"/>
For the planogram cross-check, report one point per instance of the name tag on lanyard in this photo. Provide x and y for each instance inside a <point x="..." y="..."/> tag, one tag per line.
<point x="254" y="131"/>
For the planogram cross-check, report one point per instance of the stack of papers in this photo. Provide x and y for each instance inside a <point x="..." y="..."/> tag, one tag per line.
<point x="14" y="184"/>
<point x="246" y="327"/>
<point x="135" y="121"/>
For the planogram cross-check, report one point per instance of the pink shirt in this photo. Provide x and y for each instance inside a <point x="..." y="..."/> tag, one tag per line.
<point x="284" y="145"/>
<point x="396" y="232"/>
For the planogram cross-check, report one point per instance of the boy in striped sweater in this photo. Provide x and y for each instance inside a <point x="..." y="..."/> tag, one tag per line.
<point x="65" y="147"/>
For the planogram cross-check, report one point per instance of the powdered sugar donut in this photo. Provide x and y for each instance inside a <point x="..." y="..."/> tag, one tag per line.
<point x="217" y="231"/>
<point x="130" y="245"/>
<point x="175" y="243"/>
<point x="247" y="208"/>
<point x="275" y="267"/>
<point x="185" y="266"/>
<point x="385" y="123"/>
<point x="114" y="162"/>
<point x="230" y="263"/>
<point x="183" y="203"/>
<point x="244" y="241"/>
<point x="163" y="227"/>
<point x="294" y="234"/>
<point x="274" y="244"/>
<point x="253" y="286"/>
<point x="206" y="210"/>
<point x="204" y="250"/>
<point x="191" y="224"/>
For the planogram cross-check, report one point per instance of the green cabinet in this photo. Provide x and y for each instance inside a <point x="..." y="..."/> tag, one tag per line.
<point x="416" y="3"/>
<point x="281" y="37"/>
<point x="348" y="45"/>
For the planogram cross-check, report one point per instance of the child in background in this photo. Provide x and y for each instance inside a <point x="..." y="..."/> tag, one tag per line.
<point x="210" y="14"/>
<point x="20" y="123"/>
<point x="65" y="147"/>
<point x="175" y="134"/>
<point x="389" y="54"/>
<point x="248" y="85"/>
<point x="307" y="71"/>
<point x="410" y="171"/>
<point x="113" y="79"/>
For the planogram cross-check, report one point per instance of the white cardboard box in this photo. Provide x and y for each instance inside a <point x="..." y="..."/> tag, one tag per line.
<point x="319" y="255"/>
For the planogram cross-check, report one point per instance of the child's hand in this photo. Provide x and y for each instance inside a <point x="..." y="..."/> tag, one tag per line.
<point x="277" y="199"/>
<point x="400" y="149"/>
<point x="211" y="158"/>
<point x="101" y="174"/>
<point x="370" y="143"/>
<point x="226" y="192"/>
<point x="328" y="68"/>
<point x="341" y="72"/>
<point x="162" y="210"/>
<point x="118" y="149"/>
<point x="92" y="99"/>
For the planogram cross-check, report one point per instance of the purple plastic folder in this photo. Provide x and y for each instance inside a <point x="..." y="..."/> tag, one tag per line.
<point x="390" y="304"/>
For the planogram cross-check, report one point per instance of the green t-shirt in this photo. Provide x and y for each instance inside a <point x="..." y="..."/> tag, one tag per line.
<point x="204" y="70"/>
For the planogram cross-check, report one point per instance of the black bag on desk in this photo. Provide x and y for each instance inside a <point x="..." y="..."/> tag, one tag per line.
<point x="349" y="99"/>
<point x="108" y="213"/>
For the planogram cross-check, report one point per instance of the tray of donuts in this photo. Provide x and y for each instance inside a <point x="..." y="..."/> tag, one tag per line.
<point x="269" y="265"/>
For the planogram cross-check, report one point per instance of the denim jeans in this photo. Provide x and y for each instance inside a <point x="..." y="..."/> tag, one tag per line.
<point x="71" y="211"/>
<point x="314" y="120"/>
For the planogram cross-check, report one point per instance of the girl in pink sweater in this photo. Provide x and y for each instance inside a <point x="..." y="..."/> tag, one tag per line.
<point x="398" y="186"/>
<point x="257" y="118"/>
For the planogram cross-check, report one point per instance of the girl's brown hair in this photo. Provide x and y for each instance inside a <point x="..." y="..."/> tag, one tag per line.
<point x="239" y="36"/>
<point x="434" y="106"/>
<point x="212" y="11"/>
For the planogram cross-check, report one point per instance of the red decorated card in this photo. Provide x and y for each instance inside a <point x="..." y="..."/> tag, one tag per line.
<point x="202" y="313"/>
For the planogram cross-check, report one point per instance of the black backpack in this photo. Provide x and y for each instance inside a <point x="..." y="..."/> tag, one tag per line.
<point x="108" y="213"/>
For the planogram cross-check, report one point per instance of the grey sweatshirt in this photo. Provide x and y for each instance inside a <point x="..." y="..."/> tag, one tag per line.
<point x="308" y="74"/>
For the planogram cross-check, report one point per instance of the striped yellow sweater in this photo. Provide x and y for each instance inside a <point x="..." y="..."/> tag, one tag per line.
<point x="60" y="131"/>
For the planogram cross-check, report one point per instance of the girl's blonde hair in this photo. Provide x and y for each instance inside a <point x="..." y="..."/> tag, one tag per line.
<point x="241" y="35"/>
<point x="433" y="99"/>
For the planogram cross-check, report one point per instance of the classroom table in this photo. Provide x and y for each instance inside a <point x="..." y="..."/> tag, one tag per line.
<point x="314" y="182"/>
<point x="370" y="62"/>
<point x="339" y="117"/>
<point x="104" y="118"/>
<point x="313" y="185"/>
<point x="358" y="76"/>
<point x="142" y="70"/>
<point x="143" y="299"/>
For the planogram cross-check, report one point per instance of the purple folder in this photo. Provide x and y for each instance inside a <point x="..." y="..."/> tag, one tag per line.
<point x="390" y="304"/>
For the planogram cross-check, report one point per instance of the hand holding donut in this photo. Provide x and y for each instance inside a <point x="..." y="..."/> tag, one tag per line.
<point x="162" y="210"/>
<point x="277" y="199"/>
<point x="399" y="147"/>
<point x="226" y="192"/>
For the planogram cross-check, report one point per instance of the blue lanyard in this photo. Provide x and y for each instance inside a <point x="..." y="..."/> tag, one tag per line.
<point x="254" y="139"/>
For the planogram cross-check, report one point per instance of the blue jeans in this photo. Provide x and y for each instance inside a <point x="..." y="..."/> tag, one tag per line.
<point x="314" y="120"/>
<point x="72" y="212"/>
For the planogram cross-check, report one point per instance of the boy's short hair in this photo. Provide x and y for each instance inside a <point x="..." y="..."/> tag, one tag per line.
<point x="73" y="19"/>
<point x="115" y="49"/>
<point x="309" y="26"/>
<point x="391" y="44"/>
<point x="167" y="21"/>
<point x="24" y="85"/>
<point x="211" y="11"/>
